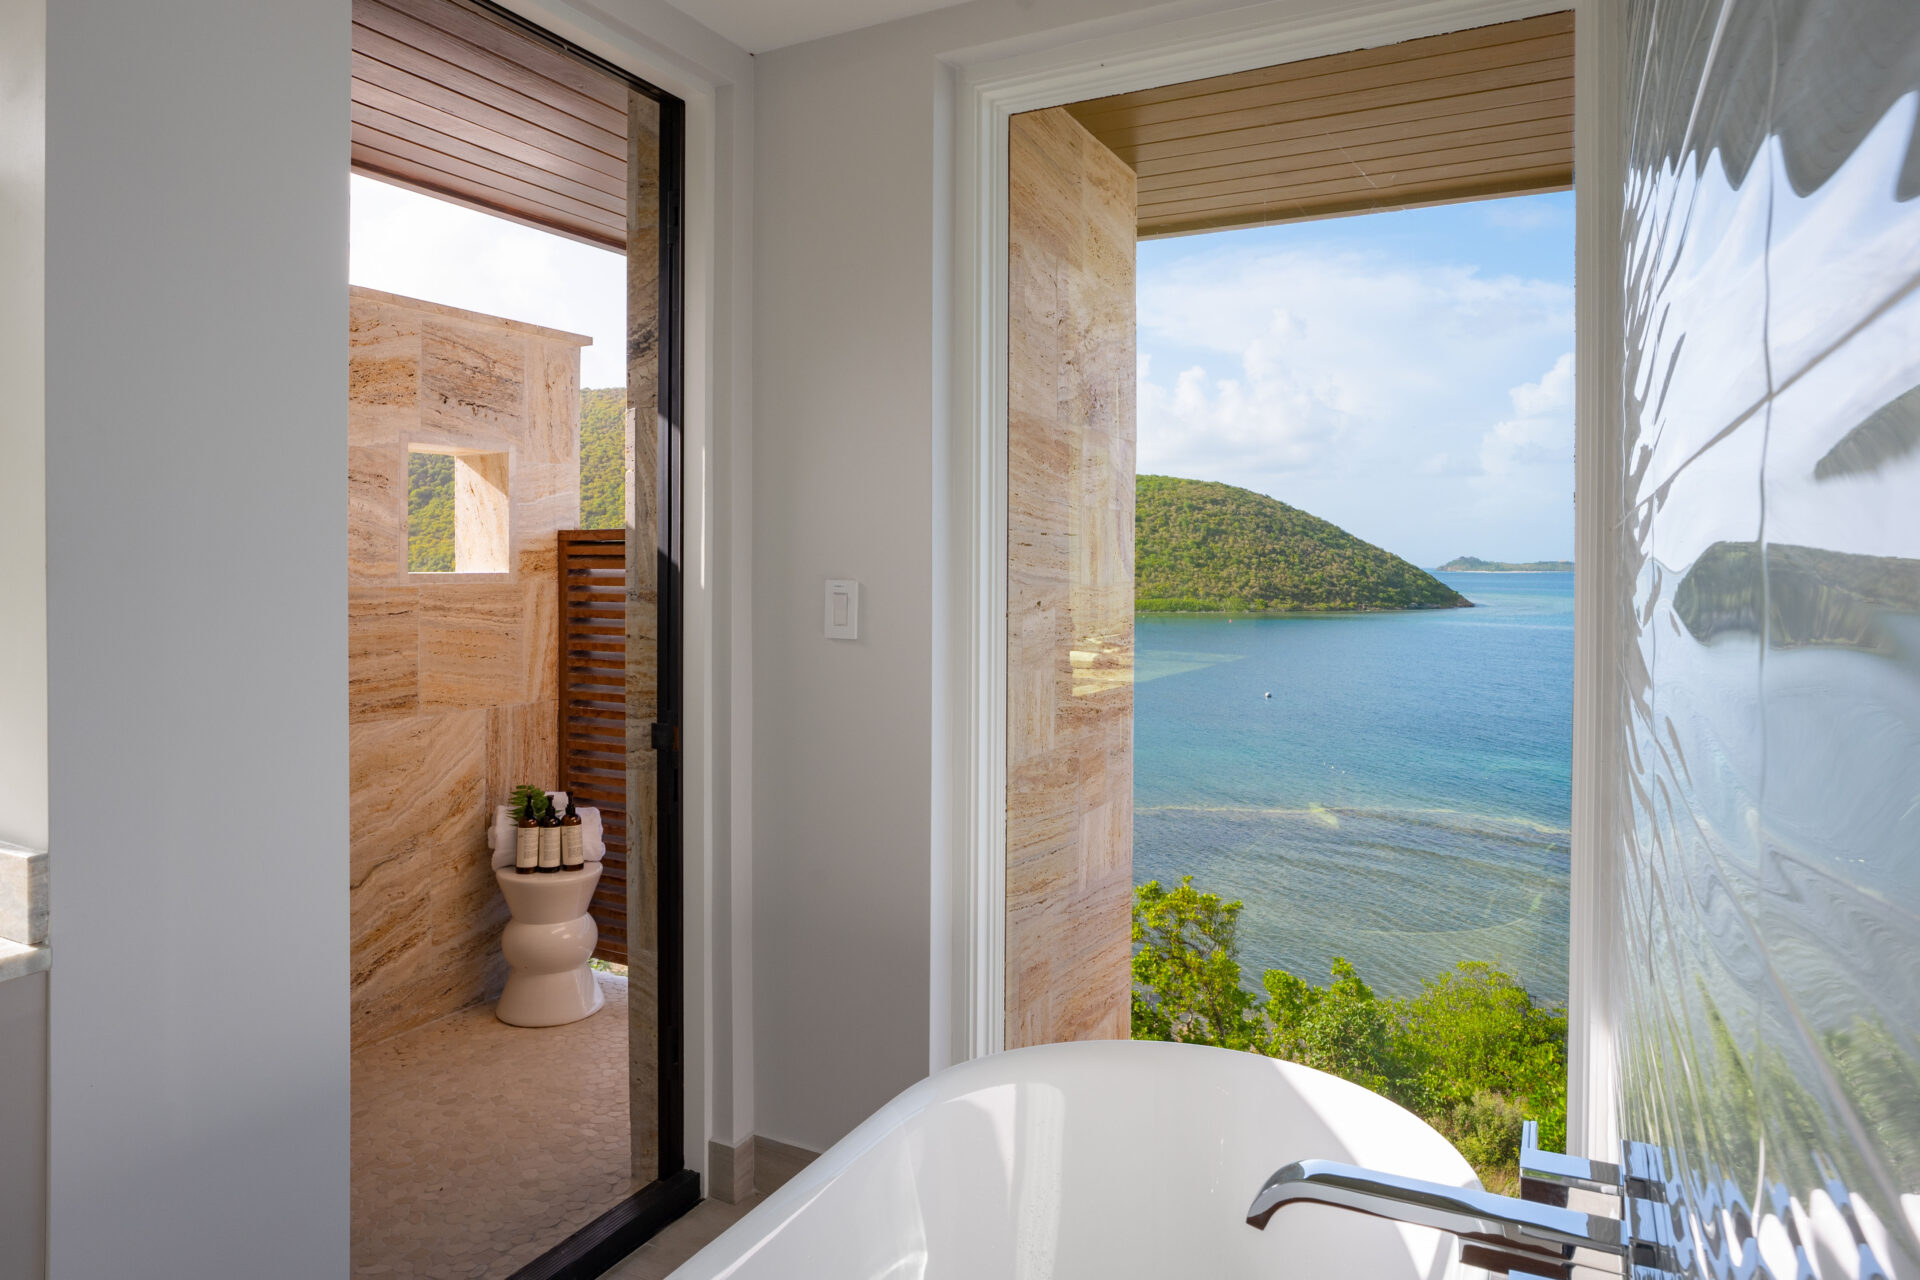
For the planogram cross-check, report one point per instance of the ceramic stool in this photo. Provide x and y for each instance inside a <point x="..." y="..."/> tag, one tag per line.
<point x="547" y="944"/>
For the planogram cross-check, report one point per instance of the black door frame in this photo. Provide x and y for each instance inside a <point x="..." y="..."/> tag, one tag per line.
<point x="594" y="1248"/>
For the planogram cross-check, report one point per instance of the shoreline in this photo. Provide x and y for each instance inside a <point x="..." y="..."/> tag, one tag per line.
<point x="1297" y="613"/>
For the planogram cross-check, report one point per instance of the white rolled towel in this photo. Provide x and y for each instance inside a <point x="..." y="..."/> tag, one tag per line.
<point x="592" y="837"/>
<point x="500" y="837"/>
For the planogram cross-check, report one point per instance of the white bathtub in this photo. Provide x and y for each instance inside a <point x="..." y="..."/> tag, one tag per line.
<point x="1110" y="1159"/>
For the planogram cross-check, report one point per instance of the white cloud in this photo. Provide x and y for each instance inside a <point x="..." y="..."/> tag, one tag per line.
<point x="1553" y="391"/>
<point x="1359" y="386"/>
<point x="412" y="244"/>
<point x="1542" y="433"/>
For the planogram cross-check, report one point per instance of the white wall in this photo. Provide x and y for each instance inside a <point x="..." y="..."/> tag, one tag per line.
<point x="196" y="323"/>
<point x="23" y="1127"/>
<point x="851" y="140"/>
<point x="23" y="510"/>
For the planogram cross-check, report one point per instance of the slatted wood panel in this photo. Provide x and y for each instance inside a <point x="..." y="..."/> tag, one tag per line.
<point x="1461" y="116"/>
<point x="593" y="708"/>
<point x="450" y="100"/>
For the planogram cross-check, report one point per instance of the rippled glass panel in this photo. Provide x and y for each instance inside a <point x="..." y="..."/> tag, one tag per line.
<point x="1772" y="525"/>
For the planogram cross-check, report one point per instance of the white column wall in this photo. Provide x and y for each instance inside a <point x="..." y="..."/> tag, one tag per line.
<point x="23" y="456"/>
<point x="848" y="472"/>
<point x="196" y="497"/>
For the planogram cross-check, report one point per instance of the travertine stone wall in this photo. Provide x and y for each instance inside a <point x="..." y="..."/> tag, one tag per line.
<point x="1069" y="584"/>
<point x="451" y="679"/>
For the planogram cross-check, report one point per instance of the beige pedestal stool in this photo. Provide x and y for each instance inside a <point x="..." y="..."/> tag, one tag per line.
<point x="547" y="944"/>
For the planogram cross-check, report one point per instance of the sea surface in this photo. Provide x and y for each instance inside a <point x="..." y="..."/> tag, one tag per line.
<point x="1403" y="798"/>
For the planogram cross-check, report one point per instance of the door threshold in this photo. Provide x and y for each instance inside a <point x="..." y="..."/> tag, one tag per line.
<point x="594" y="1248"/>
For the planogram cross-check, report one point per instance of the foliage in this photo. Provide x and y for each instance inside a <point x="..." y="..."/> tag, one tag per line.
<point x="1202" y="547"/>
<point x="526" y="796"/>
<point x="1471" y="1054"/>
<point x="1486" y="1129"/>
<point x="429" y="513"/>
<point x="1475" y="1030"/>
<point x="603" y="458"/>
<point x="1341" y="1028"/>
<point x="1186" y="981"/>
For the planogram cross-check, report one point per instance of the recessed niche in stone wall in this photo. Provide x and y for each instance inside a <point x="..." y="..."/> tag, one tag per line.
<point x="456" y="511"/>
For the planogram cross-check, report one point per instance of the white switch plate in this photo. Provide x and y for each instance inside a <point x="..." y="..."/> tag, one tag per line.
<point x="843" y="609"/>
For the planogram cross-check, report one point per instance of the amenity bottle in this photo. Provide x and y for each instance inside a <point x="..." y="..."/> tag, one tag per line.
<point x="573" y="844"/>
<point x="526" y="842"/>
<point x="550" y="839"/>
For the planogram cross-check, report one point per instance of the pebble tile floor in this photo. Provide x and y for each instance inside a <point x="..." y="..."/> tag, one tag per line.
<point x="478" y="1146"/>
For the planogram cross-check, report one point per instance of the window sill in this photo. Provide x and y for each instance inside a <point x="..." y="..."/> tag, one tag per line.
<point x="17" y="959"/>
<point x="424" y="579"/>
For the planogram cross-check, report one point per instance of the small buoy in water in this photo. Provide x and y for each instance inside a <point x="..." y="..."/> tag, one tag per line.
<point x="1269" y="695"/>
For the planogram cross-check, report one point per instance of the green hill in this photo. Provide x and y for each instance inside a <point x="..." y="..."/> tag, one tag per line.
<point x="603" y="464"/>
<point x="1469" y="564"/>
<point x="1201" y="547"/>
<point x="429" y="513"/>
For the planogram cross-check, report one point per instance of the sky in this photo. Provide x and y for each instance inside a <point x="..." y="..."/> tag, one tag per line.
<point x="411" y="244"/>
<point x="1407" y="376"/>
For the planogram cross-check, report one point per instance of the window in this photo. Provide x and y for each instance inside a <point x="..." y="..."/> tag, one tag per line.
<point x="456" y="510"/>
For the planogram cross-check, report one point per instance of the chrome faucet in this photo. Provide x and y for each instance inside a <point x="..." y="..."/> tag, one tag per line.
<point x="1529" y="1238"/>
<point x="1520" y="1237"/>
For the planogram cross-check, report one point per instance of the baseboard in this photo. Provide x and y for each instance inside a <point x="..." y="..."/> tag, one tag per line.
<point x="594" y="1248"/>
<point x="775" y="1162"/>
<point x="730" y="1171"/>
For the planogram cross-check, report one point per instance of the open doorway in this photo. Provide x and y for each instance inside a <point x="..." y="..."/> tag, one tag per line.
<point x="1424" y="125"/>
<point x="514" y="619"/>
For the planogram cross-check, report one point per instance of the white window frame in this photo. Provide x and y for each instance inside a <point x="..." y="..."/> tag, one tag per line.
<point x="979" y="94"/>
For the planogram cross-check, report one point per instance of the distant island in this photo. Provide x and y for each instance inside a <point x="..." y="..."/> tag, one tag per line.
<point x="1203" y="547"/>
<point x="1469" y="564"/>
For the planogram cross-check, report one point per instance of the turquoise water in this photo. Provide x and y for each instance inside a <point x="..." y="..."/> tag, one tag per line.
<point x="1402" y="800"/>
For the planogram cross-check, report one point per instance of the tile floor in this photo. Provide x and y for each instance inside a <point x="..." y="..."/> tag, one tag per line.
<point x="478" y="1146"/>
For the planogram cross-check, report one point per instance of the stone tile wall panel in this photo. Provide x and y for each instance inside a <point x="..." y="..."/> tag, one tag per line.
<point x="451" y="677"/>
<point x="1069" y="584"/>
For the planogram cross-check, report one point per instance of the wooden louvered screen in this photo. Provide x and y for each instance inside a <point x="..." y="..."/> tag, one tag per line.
<point x="452" y="99"/>
<point x="593" y="708"/>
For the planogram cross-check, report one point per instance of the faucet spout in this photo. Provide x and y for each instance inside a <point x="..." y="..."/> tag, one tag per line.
<point x="1472" y="1215"/>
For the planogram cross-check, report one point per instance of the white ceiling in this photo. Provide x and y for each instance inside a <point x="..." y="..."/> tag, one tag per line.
<point x="760" y="25"/>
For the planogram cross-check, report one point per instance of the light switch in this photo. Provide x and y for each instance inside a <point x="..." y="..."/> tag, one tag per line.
<point x="843" y="609"/>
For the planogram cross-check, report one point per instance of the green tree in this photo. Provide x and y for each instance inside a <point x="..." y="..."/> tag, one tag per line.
<point x="1476" y="1030"/>
<point x="1471" y="1053"/>
<point x="1341" y="1028"/>
<point x="1186" y="971"/>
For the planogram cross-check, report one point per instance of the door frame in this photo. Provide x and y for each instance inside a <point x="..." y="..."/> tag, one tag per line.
<point x="714" y="81"/>
<point x="978" y="95"/>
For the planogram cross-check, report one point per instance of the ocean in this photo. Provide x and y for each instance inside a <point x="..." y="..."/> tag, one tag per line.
<point x="1402" y="800"/>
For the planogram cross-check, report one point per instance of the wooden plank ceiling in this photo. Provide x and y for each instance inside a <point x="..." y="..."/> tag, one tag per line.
<point x="451" y="101"/>
<point x="1470" y="114"/>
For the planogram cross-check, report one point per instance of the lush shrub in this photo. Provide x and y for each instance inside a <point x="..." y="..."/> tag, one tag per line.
<point x="1471" y="1054"/>
<point x="1486" y="1129"/>
<point x="1186" y="979"/>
